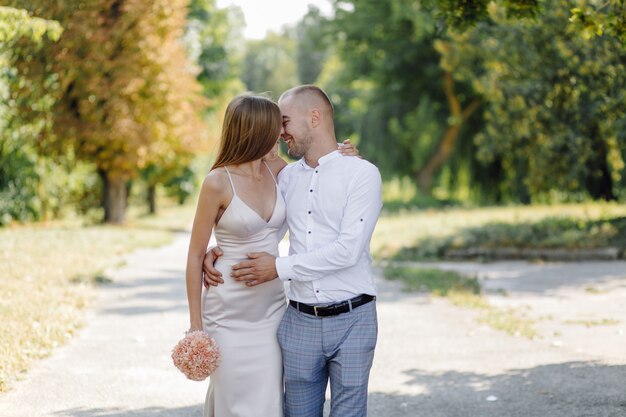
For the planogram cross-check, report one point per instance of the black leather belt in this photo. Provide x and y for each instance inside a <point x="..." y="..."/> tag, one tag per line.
<point x="333" y="309"/>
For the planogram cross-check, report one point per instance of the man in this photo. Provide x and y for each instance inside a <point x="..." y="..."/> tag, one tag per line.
<point x="333" y="202"/>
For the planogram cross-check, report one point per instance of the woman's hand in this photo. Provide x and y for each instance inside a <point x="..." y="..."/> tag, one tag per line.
<point x="348" y="149"/>
<point x="194" y="328"/>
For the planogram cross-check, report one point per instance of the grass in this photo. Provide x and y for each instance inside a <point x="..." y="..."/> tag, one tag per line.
<point x="594" y="323"/>
<point x="594" y="290"/>
<point x="428" y="233"/>
<point x="464" y="292"/>
<point x="435" y="281"/>
<point x="49" y="272"/>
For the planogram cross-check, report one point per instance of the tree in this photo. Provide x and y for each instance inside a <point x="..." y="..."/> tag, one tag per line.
<point x="313" y="46"/>
<point x="415" y="110"/>
<point x="125" y="94"/>
<point x="19" y="163"/>
<point x="269" y="65"/>
<point x="212" y="38"/>
<point x="17" y="23"/>
<point x="586" y="18"/>
<point x="555" y="113"/>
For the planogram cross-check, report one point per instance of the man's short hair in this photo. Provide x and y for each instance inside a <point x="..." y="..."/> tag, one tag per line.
<point x="312" y="90"/>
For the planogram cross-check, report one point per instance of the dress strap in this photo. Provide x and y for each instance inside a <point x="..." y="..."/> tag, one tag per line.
<point x="232" y="185"/>
<point x="270" y="170"/>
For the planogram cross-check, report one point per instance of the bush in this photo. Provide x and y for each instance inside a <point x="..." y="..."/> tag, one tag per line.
<point x="18" y="186"/>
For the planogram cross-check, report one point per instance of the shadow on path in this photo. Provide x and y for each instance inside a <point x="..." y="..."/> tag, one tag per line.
<point x="571" y="389"/>
<point x="157" y="294"/>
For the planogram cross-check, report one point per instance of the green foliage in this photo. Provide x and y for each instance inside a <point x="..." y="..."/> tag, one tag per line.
<point x="412" y="120"/>
<point x="20" y="168"/>
<point x="588" y="19"/>
<point x="18" y="185"/>
<point x="592" y="19"/>
<point x="400" y="195"/>
<point x="17" y="23"/>
<point x="182" y="185"/>
<point x="382" y="47"/>
<point x="269" y="65"/>
<point x="313" y="46"/>
<point x="555" y="116"/>
<point x="212" y="35"/>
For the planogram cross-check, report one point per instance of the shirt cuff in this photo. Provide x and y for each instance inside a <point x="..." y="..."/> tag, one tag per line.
<point x="284" y="267"/>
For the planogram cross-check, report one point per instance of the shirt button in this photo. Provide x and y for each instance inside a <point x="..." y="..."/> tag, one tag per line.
<point x="311" y="191"/>
<point x="317" y="290"/>
<point x="309" y="211"/>
<point x="309" y="232"/>
<point x="316" y="171"/>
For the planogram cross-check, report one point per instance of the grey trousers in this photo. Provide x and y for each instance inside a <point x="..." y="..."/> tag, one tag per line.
<point x="316" y="349"/>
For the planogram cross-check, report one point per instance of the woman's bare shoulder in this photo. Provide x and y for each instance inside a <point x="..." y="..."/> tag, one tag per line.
<point x="216" y="183"/>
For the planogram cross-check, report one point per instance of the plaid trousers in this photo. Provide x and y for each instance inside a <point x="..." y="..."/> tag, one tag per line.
<point x="315" y="349"/>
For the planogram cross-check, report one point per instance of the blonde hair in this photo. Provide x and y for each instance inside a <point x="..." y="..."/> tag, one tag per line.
<point x="251" y="128"/>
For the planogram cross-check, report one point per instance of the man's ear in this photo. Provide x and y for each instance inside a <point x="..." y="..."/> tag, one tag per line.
<point x="316" y="117"/>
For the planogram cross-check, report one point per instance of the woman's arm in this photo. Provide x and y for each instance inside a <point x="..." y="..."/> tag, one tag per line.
<point x="211" y="200"/>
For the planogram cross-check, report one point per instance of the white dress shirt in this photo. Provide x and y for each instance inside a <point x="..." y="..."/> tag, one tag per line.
<point x="331" y="213"/>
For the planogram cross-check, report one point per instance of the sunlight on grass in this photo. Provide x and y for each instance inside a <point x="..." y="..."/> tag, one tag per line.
<point x="396" y="231"/>
<point x="434" y="281"/>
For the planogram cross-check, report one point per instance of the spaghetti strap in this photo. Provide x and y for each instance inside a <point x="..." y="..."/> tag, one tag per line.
<point x="270" y="170"/>
<point x="232" y="185"/>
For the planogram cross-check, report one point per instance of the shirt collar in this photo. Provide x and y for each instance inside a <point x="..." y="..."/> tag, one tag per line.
<point x="328" y="157"/>
<point x="323" y="160"/>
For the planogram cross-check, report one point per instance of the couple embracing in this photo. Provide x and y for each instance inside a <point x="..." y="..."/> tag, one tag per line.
<point x="278" y="356"/>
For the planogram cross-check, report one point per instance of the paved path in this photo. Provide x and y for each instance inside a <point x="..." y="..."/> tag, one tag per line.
<point x="432" y="360"/>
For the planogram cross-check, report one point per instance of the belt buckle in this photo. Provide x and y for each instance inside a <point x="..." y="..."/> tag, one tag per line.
<point x="315" y="310"/>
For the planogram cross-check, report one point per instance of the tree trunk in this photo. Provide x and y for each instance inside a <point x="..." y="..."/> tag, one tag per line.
<point x="152" y="198"/>
<point x="424" y="176"/>
<point x="599" y="182"/>
<point x="113" y="198"/>
<point x="129" y="186"/>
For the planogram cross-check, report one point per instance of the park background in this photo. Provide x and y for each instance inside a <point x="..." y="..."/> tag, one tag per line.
<point x="499" y="128"/>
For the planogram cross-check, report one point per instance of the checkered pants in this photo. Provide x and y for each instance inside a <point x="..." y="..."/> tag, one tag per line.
<point x="315" y="348"/>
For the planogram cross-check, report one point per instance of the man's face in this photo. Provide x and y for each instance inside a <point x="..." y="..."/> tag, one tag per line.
<point x="296" y="131"/>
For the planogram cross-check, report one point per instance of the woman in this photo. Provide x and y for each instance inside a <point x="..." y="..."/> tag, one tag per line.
<point x="240" y="200"/>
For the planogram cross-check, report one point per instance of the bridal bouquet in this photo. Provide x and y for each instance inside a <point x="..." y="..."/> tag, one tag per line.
<point x="196" y="355"/>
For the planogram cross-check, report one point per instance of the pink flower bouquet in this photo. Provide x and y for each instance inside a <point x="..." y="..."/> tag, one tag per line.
<point x="196" y="355"/>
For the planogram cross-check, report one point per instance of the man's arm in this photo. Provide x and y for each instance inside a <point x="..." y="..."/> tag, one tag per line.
<point x="212" y="277"/>
<point x="360" y="216"/>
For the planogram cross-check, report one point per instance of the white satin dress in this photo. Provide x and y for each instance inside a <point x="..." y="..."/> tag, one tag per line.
<point x="244" y="320"/>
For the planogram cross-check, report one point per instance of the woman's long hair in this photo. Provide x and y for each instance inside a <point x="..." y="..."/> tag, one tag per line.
<point x="251" y="128"/>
